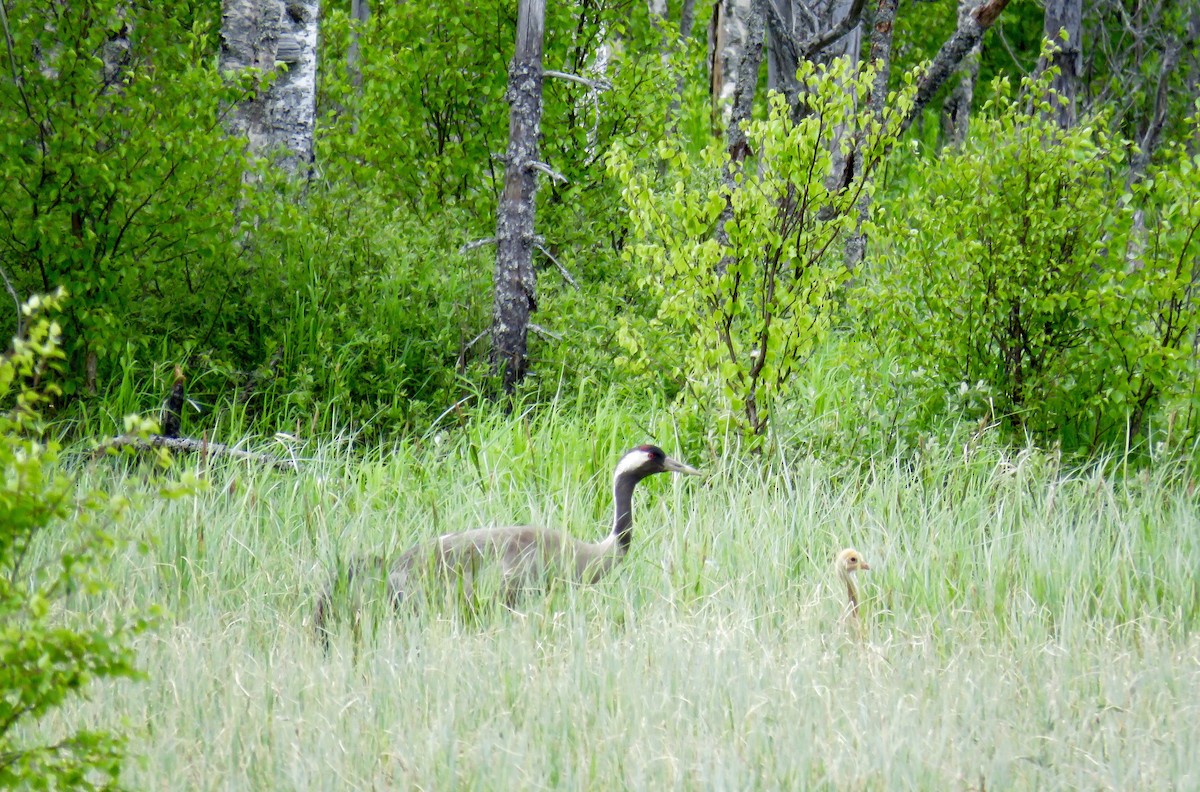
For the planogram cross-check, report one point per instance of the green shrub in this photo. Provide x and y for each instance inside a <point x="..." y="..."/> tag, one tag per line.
<point x="120" y="183"/>
<point x="1010" y="286"/>
<point x="370" y="318"/>
<point x="735" y="323"/>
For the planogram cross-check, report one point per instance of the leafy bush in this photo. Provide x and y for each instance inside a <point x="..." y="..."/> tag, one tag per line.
<point x="370" y="317"/>
<point x="1011" y="287"/>
<point x="736" y="322"/>
<point x="52" y="540"/>
<point x="120" y="183"/>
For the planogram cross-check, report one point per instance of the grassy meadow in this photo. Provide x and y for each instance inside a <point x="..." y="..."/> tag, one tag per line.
<point x="1024" y="626"/>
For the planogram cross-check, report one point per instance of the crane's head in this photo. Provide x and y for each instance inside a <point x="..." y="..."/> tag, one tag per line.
<point x="645" y="460"/>
<point x="850" y="560"/>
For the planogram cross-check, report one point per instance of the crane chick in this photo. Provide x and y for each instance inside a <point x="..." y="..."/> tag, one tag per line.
<point x="848" y="562"/>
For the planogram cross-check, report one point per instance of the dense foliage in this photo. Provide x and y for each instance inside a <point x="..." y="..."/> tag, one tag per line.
<point x="1016" y="285"/>
<point x="737" y="322"/>
<point x="120" y="184"/>
<point x="1011" y="280"/>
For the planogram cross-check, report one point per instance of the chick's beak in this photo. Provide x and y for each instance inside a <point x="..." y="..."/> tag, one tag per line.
<point x="864" y="565"/>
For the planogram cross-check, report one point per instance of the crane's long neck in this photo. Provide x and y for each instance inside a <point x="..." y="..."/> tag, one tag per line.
<point x="623" y="510"/>
<point x="595" y="560"/>
<point x="851" y="591"/>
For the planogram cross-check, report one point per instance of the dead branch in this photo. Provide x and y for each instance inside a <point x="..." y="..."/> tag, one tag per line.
<point x="971" y="28"/>
<point x="594" y="85"/>
<point x="193" y="446"/>
<point x="544" y="332"/>
<point x="478" y="243"/>
<point x="566" y="275"/>
<point x="546" y="169"/>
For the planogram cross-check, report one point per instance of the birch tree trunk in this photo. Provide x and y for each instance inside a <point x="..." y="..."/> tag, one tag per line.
<point x="727" y="41"/>
<point x="514" y="283"/>
<point x="360" y="13"/>
<point x="743" y="104"/>
<point x="956" y="110"/>
<point x="881" y="58"/>
<point x="1065" y="16"/>
<point x="265" y="34"/>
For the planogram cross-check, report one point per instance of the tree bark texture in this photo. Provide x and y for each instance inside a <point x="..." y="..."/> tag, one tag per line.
<point x="880" y="57"/>
<point x="269" y="35"/>
<point x="969" y="33"/>
<point x="747" y="80"/>
<point x="1065" y="16"/>
<point x="360" y="13"/>
<point x="810" y="31"/>
<point x="514" y="285"/>
<point x="743" y="104"/>
<point x="956" y="109"/>
<point x="727" y="40"/>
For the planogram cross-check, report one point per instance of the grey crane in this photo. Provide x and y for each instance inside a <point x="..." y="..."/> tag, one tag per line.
<point x="522" y="557"/>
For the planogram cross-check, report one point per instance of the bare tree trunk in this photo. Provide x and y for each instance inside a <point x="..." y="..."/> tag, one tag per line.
<point x="747" y="80"/>
<point x="1151" y="135"/>
<point x="687" y="20"/>
<point x="969" y="33"/>
<point x="881" y="58"/>
<point x="781" y="59"/>
<point x="360" y="13"/>
<point x="728" y="38"/>
<point x="515" y="282"/>
<point x="115" y="51"/>
<point x="261" y="34"/>
<point x="956" y="110"/>
<point x="743" y="104"/>
<point x="847" y="46"/>
<point x="1065" y="16"/>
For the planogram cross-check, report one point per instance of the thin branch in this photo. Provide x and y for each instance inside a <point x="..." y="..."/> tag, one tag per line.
<point x="475" y="340"/>
<point x="594" y="85"/>
<point x="546" y="169"/>
<point x="544" y="332"/>
<point x="194" y="446"/>
<point x="12" y="61"/>
<point x="817" y="43"/>
<point x="566" y="275"/>
<point x="16" y="300"/>
<point x="456" y="404"/>
<point x="478" y="243"/>
<point x="971" y="28"/>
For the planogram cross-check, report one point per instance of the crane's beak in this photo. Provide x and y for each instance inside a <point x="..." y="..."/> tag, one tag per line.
<point x="864" y="565"/>
<point x="678" y="467"/>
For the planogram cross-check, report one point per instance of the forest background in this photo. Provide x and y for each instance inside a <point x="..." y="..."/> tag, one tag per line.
<point x="1034" y="275"/>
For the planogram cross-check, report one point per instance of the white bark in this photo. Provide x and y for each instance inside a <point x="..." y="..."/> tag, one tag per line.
<point x="728" y="39"/>
<point x="277" y="37"/>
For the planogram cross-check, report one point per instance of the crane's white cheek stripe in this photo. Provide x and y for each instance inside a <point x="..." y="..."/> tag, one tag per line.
<point x="631" y="461"/>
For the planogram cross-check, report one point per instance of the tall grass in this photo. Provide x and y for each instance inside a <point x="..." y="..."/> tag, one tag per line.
<point x="1025" y="626"/>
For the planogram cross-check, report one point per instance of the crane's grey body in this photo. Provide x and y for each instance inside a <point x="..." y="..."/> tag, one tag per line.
<point x="506" y="561"/>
